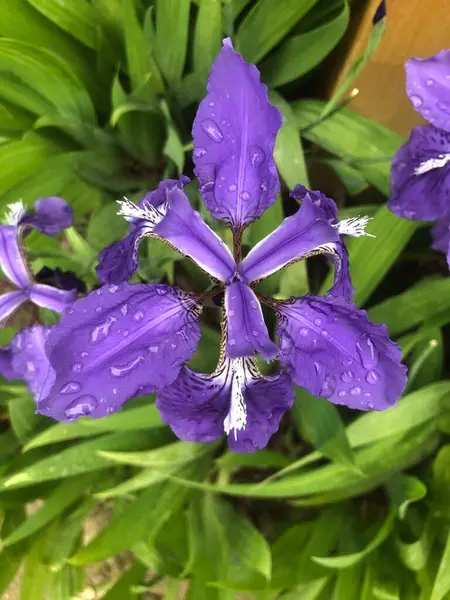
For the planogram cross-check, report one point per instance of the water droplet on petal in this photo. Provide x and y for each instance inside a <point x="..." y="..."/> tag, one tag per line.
<point x="318" y="322"/>
<point x="371" y="405"/>
<point x="113" y="288"/>
<point x="372" y="377"/>
<point x="138" y="315"/>
<point x="98" y="309"/>
<point x="212" y="130"/>
<point x="329" y="385"/>
<point x="109" y="410"/>
<point x="101" y="332"/>
<point x="257" y="156"/>
<point x="99" y="292"/>
<point x="347" y="376"/>
<point x="125" y="333"/>
<point x="153" y="349"/>
<point x="244" y="196"/>
<point x="72" y="387"/>
<point x="121" y="370"/>
<point x="324" y="332"/>
<point x="84" y="354"/>
<point x="31" y="367"/>
<point x="253" y="304"/>
<point x="232" y="187"/>
<point x="82" y="406"/>
<point x="199" y="152"/>
<point x="303" y="331"/>
<point x="212" y="104"/>
<point x="445" y="106"/>
<point x="355" y="391"/>
<point x="430" y="82"/>
<point x="124" y="309"/>
<point x="263" y="187"/>
<point x="416" y="100"/>
<point x="77" y="367"/>
<point x="232" y="342"/>
<point x="255" y="333"/>
<point x="367" y="351"/>
<point x="342" y="393"/>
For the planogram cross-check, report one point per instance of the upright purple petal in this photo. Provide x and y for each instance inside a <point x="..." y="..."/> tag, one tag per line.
<point x="298" y="235"/>
<point x="120" y="260"/>
<point x="185" y="229"/>
<point x="420" y="175"/>
<point x="12" y="260"/>
<point x="51" y="215"/>
<point x="246" y="330"/>
<point x="10" y="302"/>
<point x="428" y="87"/>
<point x="118" y="342"/>
<point x="234" y="135"/>
<point x="51" y="297"/>
<point x="30" y="361"/>
<point x="326" y="207"/>
<point x="441" y="237"/>
<point x="334" y="351"/>
<point x="236" y="399"/>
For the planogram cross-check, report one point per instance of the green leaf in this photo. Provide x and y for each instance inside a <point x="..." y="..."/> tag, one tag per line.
<point x="171" y="37"/>
<point x="176" y="453"/>
<point x="262" y="459"/>
<point x="131" y="419"/>
<point x="301" y="53"/>
<point x="404" y="490"/>
<point x="419" y="303"/>
<point x="442" y="582"/>
<point x="266" y="24"/>
<point x="81" y="458"/>
<point x="415" y="555"/>
<point x="61" y="498"/>
<point x="173" y="147"/>
<point x="106" y="227"/>
<point x="352" y="178"/>
<point x="140" y="61"/>
<point x="123" y="586"/>
<point x="140" y="519"/>
<point x="36" y="578"/>
<point x="77" y="19"/>
<point x="23" y="417"/>
<point x="50" y="76"/>
<point x="208" y="34"/>
<point x="349" y="560"/>
<point x="320" y="424"/>
<point x="376" y="35"/>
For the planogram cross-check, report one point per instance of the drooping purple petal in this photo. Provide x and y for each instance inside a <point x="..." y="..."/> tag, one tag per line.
<point x="10" y="302"/>
<point x="51" y="297"/>
<point x="236" y="399"/>
<point x="441" y="237"/>
<point x="30" y="361"/>
<point x="342" y="286"/>
<point x="118" y="342"/>
<point x="185" y="229"/>
<point x="420" y="175"/>
<point x="298" y="235"/>
<point x="234" y="135"/>
<point x="119" y="261"/>
<point x="51" y="215"/>
<point x="12" y="261"/>
<point x="333" y="350"/>
<point x="428" y="87"/>
<point x="326" y="207"/>
<point x="246" y="329"/>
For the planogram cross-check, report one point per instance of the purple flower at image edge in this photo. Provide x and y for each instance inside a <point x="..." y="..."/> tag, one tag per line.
<point x="125" y="340"/>
<point x="25" y="357"/>
<point x="420" y="173"/>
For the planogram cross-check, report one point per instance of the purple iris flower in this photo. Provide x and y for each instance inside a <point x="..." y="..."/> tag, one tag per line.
<point x="420" y="174"/>
<point x="50" y="216"/>
<point x="125" y="340"/>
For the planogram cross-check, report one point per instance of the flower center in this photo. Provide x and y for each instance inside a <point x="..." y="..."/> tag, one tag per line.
<point x="237" y="415"/>
<point x="131" y="211"/>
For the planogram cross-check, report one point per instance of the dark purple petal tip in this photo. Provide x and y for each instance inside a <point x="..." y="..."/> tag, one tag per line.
<point x="51" y="215"/>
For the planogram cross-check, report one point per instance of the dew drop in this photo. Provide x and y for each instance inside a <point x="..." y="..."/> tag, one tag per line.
<point x="77" y="367"/>
<point x="84" y="354"/>
<point x="212" y="104"/>
<point x="212" y="130"/>
<point x="232" y="187"/>
<point x="329" y="385"/>
<point x="82" y="406"/>
<point x="244" y="196"/>
<point x="125" y="333"/>
<point x="253" y="304"/>
<point x="324" y="332"/>
<point x="416" y="100"/>
<point x="232" y="342"/>
<point x="303" y="331"/>
<point x="372" y="377"/>
<point x="98" y="309"/>
<point x="342" y="393"/>
<point x="109" y="410"/>
<point x="231" y="313"/>
<point x="318" y="322"/>
<point x="445" y="106"/>
<point x="124" y="309"/>
<point x="355" y="391"/>
<point x="430" y="82"/>
<point x="347" y="376"/>
<point x="257" y="156"/>
<point x="101" y="332"/>
<point x="199" y="152"/>
<point x="121" y="370"/>
<point x="371" y="405"/>
<point x="70" y="388"/>
<point x="153" y="349"/>
<point x="367" y="351"/>
<point x="31" y="367"/>
<point x="113" y="288"/>
<point x="255" y="333"/>
<point x="138" y="316"/>
<point x="99" y="292"/>
<point x="263" y="187"/>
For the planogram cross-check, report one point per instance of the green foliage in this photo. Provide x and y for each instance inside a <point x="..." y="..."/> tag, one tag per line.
<point x="96" y="101"/>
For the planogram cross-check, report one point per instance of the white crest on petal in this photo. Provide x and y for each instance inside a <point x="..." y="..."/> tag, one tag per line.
<point x="15" y="212"/>
<point x="355" y="226"/>
<point x="237" y="415"/>
<point x="432" y="163"/>
<point x="131" y="211"/>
